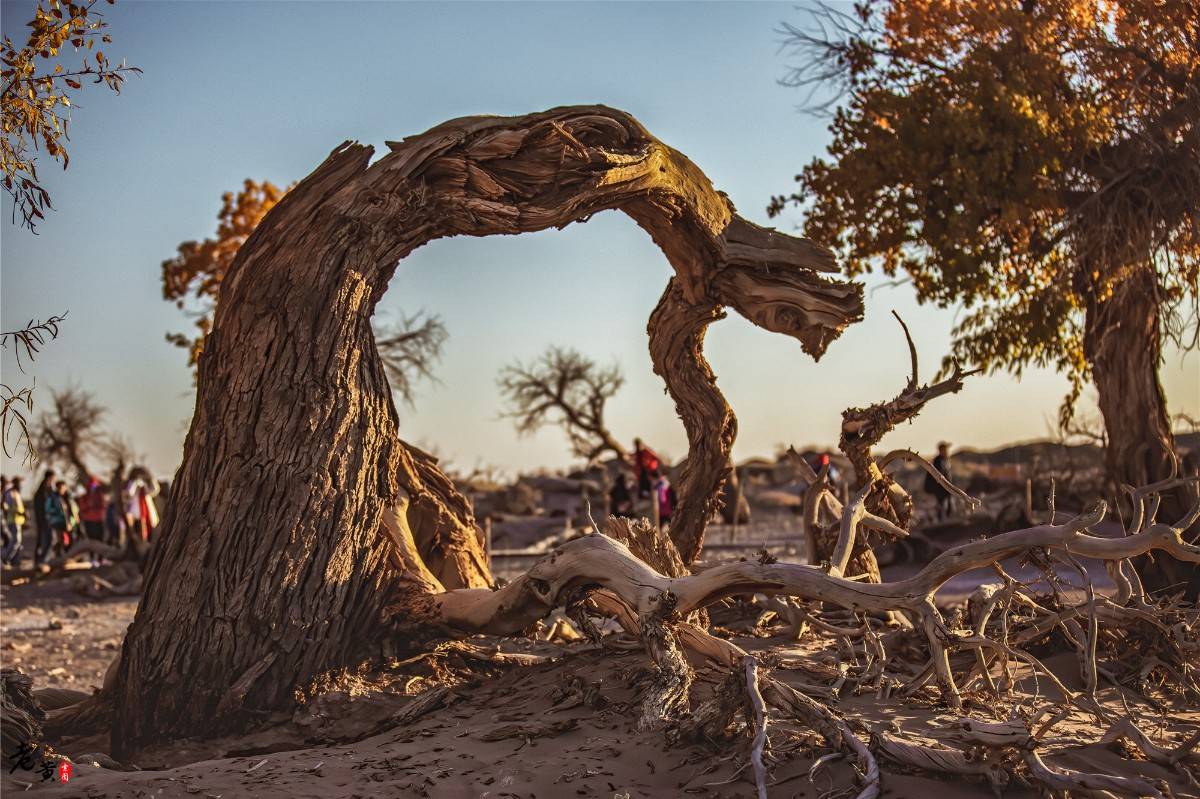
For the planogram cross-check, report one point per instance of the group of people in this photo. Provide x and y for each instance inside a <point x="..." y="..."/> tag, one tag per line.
<point x="62" y="516"/>
<point x="651" y="483"/>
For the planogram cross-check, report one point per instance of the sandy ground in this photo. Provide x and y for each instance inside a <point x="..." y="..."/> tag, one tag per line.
<point x="58" y="637"/>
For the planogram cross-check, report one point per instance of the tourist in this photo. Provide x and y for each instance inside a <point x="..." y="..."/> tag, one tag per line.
<point x="5" y="538"/>
<point x="114" y="524"/>
<point x="44" y="490"/>
<point x="932" y="486"/>
<point x="141" y="515"/>
<point x="645" y="463"/>
<point x="664" y="495"/>
<point x="620" y="498"/>
<point x="14" y="522"/>
<point x="63" y="515"/>
<point x="824" y="461"/>
<point x="92" y="506"/>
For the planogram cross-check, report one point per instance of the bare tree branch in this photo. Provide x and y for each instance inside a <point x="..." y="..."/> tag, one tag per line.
<point x="409" y="349"/>
<point x="18" y="403"/>
<point x="71" y="431"/>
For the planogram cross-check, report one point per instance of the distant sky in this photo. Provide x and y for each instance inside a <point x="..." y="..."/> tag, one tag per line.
<point x="266" y="90"/>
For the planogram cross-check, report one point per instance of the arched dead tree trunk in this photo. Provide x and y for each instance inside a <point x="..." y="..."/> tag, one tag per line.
<point x="793" y="302"/>
<point x="274" y="566"/>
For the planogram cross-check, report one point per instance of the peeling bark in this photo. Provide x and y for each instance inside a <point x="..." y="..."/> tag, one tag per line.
<point x="443" y="525"/>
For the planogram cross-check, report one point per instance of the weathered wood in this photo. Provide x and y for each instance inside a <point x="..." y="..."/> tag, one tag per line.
<point x="20" y="715"/>
<point x="599" y="561"/>
<point x="274" y="539"/>
<point x="862" y="429"/>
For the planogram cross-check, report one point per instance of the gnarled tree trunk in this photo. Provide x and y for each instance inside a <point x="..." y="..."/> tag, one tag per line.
<point x="1123" y="346"/>
<point x="677" y="331"/>
<point x="279" y="553"/>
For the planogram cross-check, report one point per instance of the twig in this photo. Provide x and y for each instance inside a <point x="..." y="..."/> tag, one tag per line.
<point x="760" y="725"/>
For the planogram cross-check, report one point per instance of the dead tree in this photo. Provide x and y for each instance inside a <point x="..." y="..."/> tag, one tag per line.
<point x="862" y="429"/>
<point x="409" y="349"/>
<point x="565" y="388"/>
<point x="72" y="431"/>
<point x="653" y="605"/>
<point x="278" y="553"/>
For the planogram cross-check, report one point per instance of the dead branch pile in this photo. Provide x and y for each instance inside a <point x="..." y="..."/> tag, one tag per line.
<point x="987" y="648"/>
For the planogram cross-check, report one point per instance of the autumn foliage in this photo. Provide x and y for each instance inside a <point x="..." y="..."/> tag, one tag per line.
<point x="36" y="99"/>
<point x="410" y="346"/>
<point x="1037" y="163"/>
<point x="193" y="277"/>
<point x="1023" y="159"/>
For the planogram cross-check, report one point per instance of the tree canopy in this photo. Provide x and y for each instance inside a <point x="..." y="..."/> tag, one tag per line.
<point x="1022" y="158"/>
<point x="193" y="277"/>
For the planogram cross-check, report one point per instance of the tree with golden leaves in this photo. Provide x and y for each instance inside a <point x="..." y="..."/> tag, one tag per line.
<point x="36" y="103"/>
<point x="193" y="277"/>
<point x="192" y="280"/>
<point x="1037" y="162"/>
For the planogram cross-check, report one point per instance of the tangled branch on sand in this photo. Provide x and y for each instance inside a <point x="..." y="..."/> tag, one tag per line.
<point x="653" y="606"/>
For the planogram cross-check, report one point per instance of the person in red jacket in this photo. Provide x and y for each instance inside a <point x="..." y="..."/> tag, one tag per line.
<point x="92" y="506"/>
<point x="645" y="463"/>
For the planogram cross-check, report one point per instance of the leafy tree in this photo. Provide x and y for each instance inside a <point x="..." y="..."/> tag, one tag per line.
<point x="192" y="280"/>
<point x="36" y="103"/>
<point x="193" y="277"/>
<point x="564" y="388"/>
<point x="1036" y="161"/>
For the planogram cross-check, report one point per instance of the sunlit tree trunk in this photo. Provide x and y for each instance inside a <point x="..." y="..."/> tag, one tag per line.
<point x="270" y="567"/>
<point x="1123" y="345"/>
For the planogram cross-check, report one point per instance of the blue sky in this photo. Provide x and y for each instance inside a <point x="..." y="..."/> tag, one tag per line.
<point x="266" y="90"/>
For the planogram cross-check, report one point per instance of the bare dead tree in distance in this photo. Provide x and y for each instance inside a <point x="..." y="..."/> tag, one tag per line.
<point x="71" y="431"/>
<point x="565" y="388"/>
<point x="410" y="348"/>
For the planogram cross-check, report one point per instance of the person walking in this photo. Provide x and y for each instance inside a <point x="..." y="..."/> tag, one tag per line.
<point x="92" y="506"/>
<point x="63" y="515"/>
<point x="645" y="463"/>
<point x="114" y="524"/>
<point x="620" y="498"/>
<point x="42" y="525"/>
<point x="14" y="522"/>
<point x="5" y="538"/>
<point x="141" y="515"/>
<point x="932" y="486"/>
<point x="664" y="495"/>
